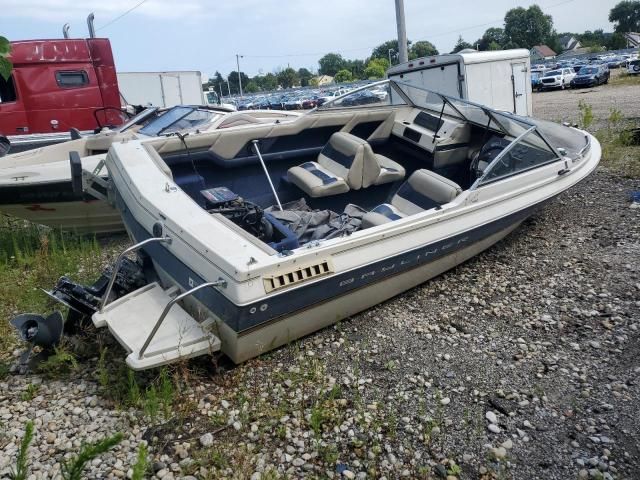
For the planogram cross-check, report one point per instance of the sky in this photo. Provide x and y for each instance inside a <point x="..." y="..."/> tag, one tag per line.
<point x="205" y="35"/>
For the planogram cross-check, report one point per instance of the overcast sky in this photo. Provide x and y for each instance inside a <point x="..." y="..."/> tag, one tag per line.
<point x="271" y="34"/>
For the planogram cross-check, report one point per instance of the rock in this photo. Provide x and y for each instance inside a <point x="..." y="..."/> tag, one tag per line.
<point x="440" y="470"/>
<point x="499" y="453"/>
<point x="297" y="462"/>
<point x="206" y="440"/>
<point x="445" y="401"/>
<point x="494" y="428"/>
<point x="348" y="474"/>
<point x="508" y="444"/>
<point x="492" y="417"/>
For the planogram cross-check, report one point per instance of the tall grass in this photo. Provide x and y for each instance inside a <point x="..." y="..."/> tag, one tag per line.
<point x="33" y="257"/>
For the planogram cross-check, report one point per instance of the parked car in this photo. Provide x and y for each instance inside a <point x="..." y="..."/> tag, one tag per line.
<point x="560" y="78"/>
<point x="310" y="102"/>
<point x="591" y="76"/>
<point x="634" y="67"/>
<point x="535" y="80"/>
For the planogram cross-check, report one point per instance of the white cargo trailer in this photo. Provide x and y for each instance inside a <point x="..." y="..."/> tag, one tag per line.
<point x="499" y="79"/>
<point x="161" y="89"/>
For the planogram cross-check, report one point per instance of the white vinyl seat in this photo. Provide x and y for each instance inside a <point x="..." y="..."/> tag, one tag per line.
<point x="345" y="163"/>
<point x="422" y="191"/>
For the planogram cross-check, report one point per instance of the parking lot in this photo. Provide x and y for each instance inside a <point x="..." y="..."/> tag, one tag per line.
<point x="621" y="93"/>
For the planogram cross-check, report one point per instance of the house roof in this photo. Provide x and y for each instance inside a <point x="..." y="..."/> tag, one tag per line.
<point x="544" y="51"/>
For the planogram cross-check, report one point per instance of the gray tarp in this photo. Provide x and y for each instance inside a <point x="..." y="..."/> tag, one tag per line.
<point x="310" y="224"/>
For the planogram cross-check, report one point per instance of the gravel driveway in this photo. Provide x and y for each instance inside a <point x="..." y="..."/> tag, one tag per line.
<point x="522" y="363"/>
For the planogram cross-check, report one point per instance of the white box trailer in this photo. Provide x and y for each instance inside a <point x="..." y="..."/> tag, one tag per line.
<point x="498" y="79"/>
<point x="161" y="89"/>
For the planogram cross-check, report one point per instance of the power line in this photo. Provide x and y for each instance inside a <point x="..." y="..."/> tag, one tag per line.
<point x="121" y="15"/>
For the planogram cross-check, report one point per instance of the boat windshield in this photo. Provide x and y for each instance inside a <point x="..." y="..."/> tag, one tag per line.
<point x="143" y="116"/>
<point x="177" y="119"/>
<point x="527" y="152"/>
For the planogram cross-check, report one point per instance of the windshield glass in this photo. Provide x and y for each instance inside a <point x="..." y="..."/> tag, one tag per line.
<point x="375" y="96"/>
<point x="140" y="118"/>
<point x="553" y="73"/>
<point x="588" y="71"/>
<point x="527" y="153"/>
<point x="176" y="119"/>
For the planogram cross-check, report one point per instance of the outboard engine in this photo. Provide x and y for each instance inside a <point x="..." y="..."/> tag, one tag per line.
<point x="82" y="301"/>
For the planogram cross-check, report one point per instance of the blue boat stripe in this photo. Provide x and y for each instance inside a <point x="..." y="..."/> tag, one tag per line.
<point x="345" y="160"/>
<point x="407" y="192"/>
<point x="387" y="211"/>
<point x="326" y="179"/>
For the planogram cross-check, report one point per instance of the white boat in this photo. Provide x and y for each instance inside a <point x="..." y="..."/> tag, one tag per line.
<point x="38" y="185"/>
<point x="375" y="200"/>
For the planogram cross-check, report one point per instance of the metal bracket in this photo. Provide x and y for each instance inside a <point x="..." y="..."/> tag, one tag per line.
<point x="118" y="264"/>
<point x="220" y="283"/>
<point x="90" y="179"/>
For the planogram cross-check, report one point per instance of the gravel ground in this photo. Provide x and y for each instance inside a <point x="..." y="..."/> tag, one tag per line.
<point x="522" y="363"/>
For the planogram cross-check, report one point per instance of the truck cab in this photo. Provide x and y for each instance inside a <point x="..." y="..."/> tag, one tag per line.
<point x="56" y="85"/>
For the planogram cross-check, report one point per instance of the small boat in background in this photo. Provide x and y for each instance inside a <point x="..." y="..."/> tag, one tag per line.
<point x="45" y="185"/>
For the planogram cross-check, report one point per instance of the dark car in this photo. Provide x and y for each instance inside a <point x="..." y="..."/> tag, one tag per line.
<point x="591" y="76"/>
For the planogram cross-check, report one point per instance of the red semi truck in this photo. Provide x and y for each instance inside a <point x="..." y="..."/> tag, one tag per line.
<point x="57" y="85"/>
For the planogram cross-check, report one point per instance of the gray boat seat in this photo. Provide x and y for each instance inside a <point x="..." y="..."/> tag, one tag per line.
<point x="345" y="163"/>
<point x="422" y="191"/>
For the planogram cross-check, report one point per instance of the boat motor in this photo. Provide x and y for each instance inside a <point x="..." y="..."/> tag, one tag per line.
<point x="37" y="331"/>
<point x="81" y="302"/>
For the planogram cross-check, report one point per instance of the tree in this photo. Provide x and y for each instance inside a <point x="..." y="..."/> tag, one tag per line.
<point x="376" y="68"/>
<point x="217" y="83"/>
<point x="525" y="28"/>
<point x="304" y="75"/>
<point x="5" y="63"/>
<point x="266" y="82"/>
<point x="626" y="16"/>
<point x="233" y="81"/>
<point x="461" y="45"/>
<point x="252" y="87"/>
<point x="422" y="49"/>
<point x="331" y="63"/>
<point x="356" y="67"/>
<point x="288" y="77"/>
<point x="492" y="37"/>
<point x="343" y="75"/>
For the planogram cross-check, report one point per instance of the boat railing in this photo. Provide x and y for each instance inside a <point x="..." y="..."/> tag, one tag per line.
<point x="118" y="264"/>
<point x="220" y="283"/>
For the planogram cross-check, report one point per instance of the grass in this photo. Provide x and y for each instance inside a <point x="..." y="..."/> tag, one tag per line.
<point x="624" y="79"/>
<point x="32" y="258"/>
<point x="618" y="150"/>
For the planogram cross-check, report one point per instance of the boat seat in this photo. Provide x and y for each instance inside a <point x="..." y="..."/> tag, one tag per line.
<point x="345" y="163"/>
<point x="422" y="191"/>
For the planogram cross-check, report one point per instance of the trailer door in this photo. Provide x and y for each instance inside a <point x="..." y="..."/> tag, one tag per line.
<point x="519" y="79"/>
<point x="171" y="89"/>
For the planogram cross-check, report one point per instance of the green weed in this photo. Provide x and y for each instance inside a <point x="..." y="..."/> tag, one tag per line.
<point x="72" y="468"/>
<point x="61" y="362"/>
<point x="585" y="117"/>
<point x="21" y="470"/>
<point x="30" y="393"/>
<point x="142" y="463"/>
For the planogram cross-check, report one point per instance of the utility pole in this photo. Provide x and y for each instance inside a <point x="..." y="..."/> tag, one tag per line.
<point x="390" y="50"/>
<point x="220" y="87"/>
<point x="238" y="57"/>
<point x="403" y="55"/>
<point x="228" y="87"/>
